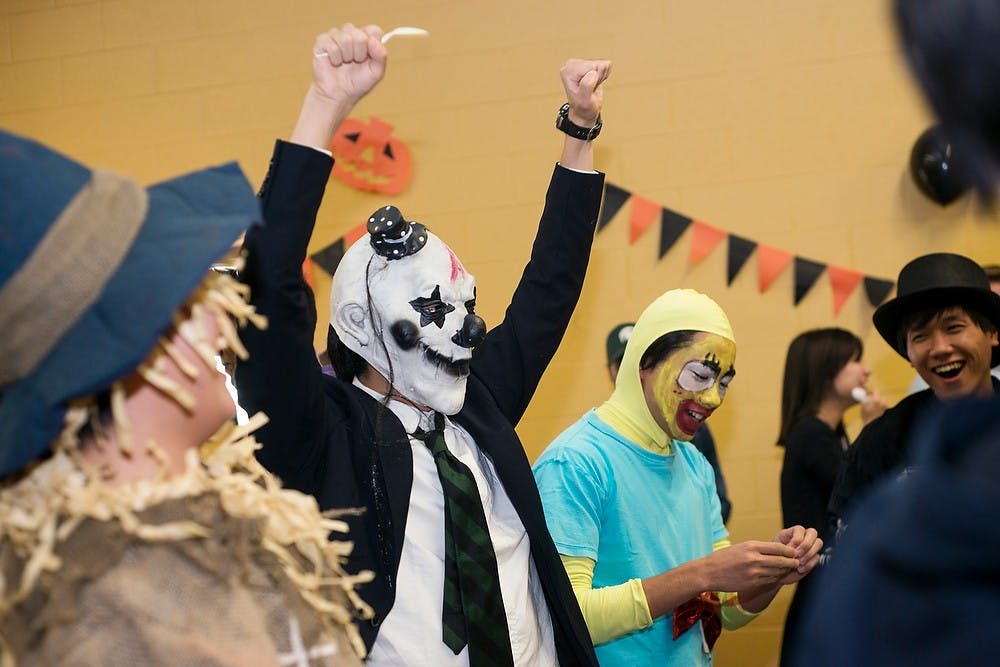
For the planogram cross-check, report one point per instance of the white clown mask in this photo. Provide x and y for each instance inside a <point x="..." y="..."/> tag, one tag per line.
<point x="404" y="303"/>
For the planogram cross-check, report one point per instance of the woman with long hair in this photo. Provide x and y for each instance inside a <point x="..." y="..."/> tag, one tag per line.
<point x="824" y="376"/>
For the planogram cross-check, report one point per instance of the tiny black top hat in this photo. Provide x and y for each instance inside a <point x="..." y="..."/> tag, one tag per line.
<point x="393" y="236"/>
<point x="937" y="280"/>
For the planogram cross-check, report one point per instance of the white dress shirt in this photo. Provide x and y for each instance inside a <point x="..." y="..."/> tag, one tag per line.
<point x="411" y="632"/>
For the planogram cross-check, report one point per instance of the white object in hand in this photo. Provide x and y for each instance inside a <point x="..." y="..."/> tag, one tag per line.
<point x="402" y="31"/>
<point x="859" y="394"/>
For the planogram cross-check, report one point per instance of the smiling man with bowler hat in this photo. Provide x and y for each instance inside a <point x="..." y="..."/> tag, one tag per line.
<point x="944" y="321"/>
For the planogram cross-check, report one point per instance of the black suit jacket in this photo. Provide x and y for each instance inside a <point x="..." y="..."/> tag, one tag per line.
<point x="332" y="440"/>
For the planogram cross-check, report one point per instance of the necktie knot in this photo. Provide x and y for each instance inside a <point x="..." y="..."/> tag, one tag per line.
<point x="434" y="438"/>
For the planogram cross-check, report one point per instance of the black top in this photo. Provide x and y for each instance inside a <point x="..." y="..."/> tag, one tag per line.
<point x="915" y="579"/>
<point x="880" y="447"/>
<point x="332" y="440"/>
<point x="813" y="456"/>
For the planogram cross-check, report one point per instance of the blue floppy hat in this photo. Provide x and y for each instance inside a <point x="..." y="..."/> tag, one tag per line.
<point x="92" y="268"/>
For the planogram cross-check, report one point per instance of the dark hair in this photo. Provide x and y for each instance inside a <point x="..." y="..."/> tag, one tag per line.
<point x="347" y="364"/>
<point x="952" y="47"/>
<point x="814" y="358"/>
<point x="661" y="348"/>
<point x="992" y="272"/>
<point x="923" y="316"/>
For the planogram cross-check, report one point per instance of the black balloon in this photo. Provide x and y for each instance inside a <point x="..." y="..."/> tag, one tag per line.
<point x="933" y="167"/>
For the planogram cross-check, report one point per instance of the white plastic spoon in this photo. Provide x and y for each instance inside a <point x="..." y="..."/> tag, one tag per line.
<point x="859" y="394"/>
<point x="402" y="31"/>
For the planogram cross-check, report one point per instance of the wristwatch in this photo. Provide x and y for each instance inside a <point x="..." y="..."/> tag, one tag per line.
<point x="572" y="129"/>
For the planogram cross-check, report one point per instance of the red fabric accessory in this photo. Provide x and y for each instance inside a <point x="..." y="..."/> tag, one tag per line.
<point x="706" y="608"/>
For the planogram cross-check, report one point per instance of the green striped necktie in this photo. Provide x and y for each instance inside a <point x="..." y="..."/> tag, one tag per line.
<point x="473" y="606"/>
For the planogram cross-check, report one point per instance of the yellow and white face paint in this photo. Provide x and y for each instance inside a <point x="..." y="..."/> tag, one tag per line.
<point x="684" y="389"/>
<point x="637" y="407"/>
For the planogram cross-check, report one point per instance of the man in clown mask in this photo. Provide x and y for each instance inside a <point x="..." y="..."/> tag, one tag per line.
<point x="632" y="505"/>
<point x="417" y="427"/>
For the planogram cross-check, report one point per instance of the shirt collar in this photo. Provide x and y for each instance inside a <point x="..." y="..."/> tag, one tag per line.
<point x="410" y="417"/>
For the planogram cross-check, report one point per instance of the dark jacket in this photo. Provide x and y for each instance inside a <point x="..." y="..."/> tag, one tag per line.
<point x="880" y="448"/>
<point x="332" y="440"/>
<point x="916" y="578"/>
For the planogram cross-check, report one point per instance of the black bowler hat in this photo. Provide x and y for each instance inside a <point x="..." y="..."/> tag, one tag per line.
<point x="937" y="280"/>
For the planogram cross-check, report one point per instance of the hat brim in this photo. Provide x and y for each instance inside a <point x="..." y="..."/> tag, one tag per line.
<point x="889" y="317"/>
<point x="191" y="222"/>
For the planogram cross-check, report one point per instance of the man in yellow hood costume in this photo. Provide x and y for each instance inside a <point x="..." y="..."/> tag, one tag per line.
<point x="632" y="506"/>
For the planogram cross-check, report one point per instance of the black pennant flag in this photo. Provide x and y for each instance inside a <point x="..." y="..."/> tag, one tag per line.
<point x="614" y="199"/>
<point x="672" y="225"/>
<point x="807" y="272"/>
<point x="329" y="257"/>
<point x="877" y="289"/>
<point x="740" y="250"/>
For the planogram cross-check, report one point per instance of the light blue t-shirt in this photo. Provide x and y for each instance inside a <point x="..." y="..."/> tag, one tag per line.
<point x="637" y="514"/>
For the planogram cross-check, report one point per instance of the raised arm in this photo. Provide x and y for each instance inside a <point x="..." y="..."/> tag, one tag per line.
<point x="512" y="358"/>
<point x="282" y="377"/>
<point x="347" y="63"/>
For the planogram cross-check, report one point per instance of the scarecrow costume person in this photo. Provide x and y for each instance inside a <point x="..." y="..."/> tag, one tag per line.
<point x="418" y="425"/>
<point x="136" y="527"/>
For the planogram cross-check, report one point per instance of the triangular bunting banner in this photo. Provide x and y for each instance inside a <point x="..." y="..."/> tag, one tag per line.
<point x="704" y="238"/>
<point x="740" y="250"/>
<point x="643" y="212"/>
<point x="770" y="262"/>
<point x="614" y="198"/>
<point x="329" y="257"/>
<point x="843" y="282"/>
<point x="807" y="272"/>
<point x="877" y="289"/>
<point x="672" y="225"/>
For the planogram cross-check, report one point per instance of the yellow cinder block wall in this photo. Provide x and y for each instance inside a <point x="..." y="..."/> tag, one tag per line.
<point x="783" y="121"/>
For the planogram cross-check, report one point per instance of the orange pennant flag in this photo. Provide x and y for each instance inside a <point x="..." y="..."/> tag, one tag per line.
<point x="703" y="240"/>
<point x="354" y="234"/>
<point x="770" y="262"/>
<point x="643" y="214"/>
<point x="843" y="281"/>
<point x="307" y="272"/>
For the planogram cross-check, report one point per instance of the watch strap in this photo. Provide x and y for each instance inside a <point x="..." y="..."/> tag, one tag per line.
<point x="564" y="124"/>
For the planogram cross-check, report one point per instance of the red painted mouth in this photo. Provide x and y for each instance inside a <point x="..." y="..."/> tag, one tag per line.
<point x="690" y="416"/>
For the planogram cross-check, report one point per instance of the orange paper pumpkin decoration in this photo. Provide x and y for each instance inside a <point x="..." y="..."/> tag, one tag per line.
<point x="369" y="158"/>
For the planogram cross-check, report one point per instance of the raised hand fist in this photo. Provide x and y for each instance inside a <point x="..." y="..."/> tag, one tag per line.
<point x="348" y="62"/>
<point x="583" y="81"/>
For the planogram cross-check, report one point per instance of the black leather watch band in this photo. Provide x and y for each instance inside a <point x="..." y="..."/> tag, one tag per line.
<point x="572" y="129"/>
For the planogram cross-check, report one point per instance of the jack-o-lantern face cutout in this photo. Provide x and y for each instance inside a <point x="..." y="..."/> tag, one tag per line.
<point x="369" y="158"/>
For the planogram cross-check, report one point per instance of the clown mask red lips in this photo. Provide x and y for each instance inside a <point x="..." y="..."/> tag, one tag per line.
<point x="691" y="383"/>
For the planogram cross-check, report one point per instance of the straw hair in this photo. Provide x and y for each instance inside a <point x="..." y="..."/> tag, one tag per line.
<point x="47" y="504"/>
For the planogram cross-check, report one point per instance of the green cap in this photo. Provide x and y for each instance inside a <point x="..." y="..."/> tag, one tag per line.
<point x="617" y="340"/>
